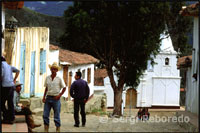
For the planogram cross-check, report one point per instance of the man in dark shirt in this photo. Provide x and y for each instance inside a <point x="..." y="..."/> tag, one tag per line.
<point x="80" y="92"/>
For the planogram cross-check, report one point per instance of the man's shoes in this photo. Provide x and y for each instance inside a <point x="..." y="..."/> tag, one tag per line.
<point x="83" y="125"/>
<point x="76" y="125"/>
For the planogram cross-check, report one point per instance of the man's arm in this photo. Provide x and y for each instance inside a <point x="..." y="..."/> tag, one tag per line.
<point x="72" y="90"/>
<point x="14" y="69"/>
<point x="87" y="91"/>
<point x="62" y="92"/>
<point x="44" y="96"/>
<point x="16" y="76"/>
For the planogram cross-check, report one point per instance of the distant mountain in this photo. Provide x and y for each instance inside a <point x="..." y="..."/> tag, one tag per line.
<point x="29" y="18"/>
<point x="52" y="8"/>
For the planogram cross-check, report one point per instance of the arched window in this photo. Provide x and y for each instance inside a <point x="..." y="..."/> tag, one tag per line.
<point x="167" y="61"/>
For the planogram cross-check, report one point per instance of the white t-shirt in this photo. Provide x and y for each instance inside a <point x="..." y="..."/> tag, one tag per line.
<point x="54" y="86"/>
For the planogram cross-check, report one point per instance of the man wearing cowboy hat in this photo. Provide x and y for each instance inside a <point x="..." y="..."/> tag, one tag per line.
<point x="53" y="84"/>
<point x="21" y="110"/>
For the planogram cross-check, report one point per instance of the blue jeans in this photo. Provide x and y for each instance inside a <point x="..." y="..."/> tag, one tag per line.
<point x="55" y="104"/>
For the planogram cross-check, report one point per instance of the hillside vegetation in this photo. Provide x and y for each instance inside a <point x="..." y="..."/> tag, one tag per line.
<point x="30" y="18"/>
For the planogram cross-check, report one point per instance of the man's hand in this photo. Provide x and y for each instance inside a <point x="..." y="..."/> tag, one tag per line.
<point x="57" y="97"/>
<point x="22" y="107"/>
<point x="14" y="81"/>
<point x="85" y="100"/>
<point x="43" y="100"/>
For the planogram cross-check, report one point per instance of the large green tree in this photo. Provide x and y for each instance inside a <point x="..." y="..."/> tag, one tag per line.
<point x="179" y="27"/>
<point x="122" y="35"/>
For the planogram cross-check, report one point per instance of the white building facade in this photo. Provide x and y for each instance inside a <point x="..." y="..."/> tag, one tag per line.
<point x="160" y="84"/>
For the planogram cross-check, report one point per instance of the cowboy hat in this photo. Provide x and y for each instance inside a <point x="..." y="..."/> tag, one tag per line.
<point x="18" y="83"/>
<point x="55" y="65"/>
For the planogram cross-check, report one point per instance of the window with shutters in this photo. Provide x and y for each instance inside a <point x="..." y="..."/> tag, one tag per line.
<point x="42" y="61"/>
<point x="89" y="75"/>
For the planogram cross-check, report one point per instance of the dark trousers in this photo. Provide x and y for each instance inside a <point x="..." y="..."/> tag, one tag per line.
<point x="79" y="103"/>
<point x="7" y="95"/>
<point x="27" y="112"/>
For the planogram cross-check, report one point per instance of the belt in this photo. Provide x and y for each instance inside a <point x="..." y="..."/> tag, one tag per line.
<point x="50" y="96"/>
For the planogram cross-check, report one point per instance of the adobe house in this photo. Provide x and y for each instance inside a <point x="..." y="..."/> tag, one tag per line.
<point x="70" y="63"/>
<point x="27" y="49"/>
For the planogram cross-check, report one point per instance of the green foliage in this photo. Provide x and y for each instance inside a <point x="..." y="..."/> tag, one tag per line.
<point x="122" y="35"/>
<point x="179" y="26"/>
<point x="98" y="112"/>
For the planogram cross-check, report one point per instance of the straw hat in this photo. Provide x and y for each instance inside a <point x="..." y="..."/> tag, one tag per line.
<point x="55" y="65"/>
<point x="4" y="54"/>
<point x="18" y="83"/>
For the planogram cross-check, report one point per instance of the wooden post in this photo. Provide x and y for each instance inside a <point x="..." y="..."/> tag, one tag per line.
<point x="69" y="85"/>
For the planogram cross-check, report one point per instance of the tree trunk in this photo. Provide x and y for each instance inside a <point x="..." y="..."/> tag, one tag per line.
<point x="117" y="103"/>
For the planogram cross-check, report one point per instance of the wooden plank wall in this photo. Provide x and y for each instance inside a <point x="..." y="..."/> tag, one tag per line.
<point x="35" y="39"/>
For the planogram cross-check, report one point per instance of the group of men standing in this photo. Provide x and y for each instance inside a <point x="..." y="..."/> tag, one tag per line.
<point x="54" y="89"/>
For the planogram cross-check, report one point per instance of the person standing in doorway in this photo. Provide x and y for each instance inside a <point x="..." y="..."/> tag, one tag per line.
<point x="7" y="91"/>
<point x="53" y="85"/>
<point x="80" y="92"/>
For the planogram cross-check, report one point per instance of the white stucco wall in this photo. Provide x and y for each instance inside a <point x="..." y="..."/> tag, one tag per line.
<point x="53" y="57"/>
<point x="3" y="27"/>
<point x="192" y="97"/>
<point x="75" y="68"/>
<point x="160" y="86"/>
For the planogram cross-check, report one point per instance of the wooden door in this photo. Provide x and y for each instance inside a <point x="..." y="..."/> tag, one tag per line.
<point x="69" y="85"/>
<point x="131" y="98"/>
<point x="22" y="65"/>
<point x="32" y="77"/>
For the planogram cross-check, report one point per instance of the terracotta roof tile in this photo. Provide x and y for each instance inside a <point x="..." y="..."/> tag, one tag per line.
<point x="74" y="58"/>
<point x="53" y="47"/>
<point x="185" y="61"/>
<point x="191" y="10"/>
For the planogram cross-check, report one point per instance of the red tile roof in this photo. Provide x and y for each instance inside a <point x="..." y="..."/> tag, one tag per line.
<point x="184" y="62"/>
<point x="191" y="10"/>
<point x="53" y="47"/>
<point x="99" y="76"/>
<point x="74" y="58"/>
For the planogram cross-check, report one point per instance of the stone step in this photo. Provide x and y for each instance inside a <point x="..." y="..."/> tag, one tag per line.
<point x="36" y="102"/>
<point x="19" y="125"/>
<point x="38" y="111"/>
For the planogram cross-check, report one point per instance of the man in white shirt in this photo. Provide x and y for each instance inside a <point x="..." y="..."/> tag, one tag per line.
<point x="51" y="97"/>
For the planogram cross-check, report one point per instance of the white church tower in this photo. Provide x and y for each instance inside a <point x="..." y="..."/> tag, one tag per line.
<point x="160" y="84"/>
